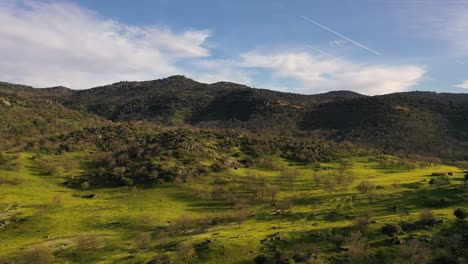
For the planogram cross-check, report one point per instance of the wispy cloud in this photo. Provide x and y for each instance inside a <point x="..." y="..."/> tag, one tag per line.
<point x="320" y="75"/>
<point x="322" y="52"/>
<point x="340" y="35"/>
<point x="463" y="85"/>
<point x="44" y="43"/>
<point x="60" y="43"/>
<point x="449" y="24"/>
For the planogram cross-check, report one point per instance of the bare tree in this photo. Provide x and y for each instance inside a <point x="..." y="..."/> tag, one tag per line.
<point x="359" y="249"/>
<point x="365" y="186"/>
<point x="413" y="252"/>
<point x="143" y="239"/>
<point x="241" y="215"/>
<point x="329" y="186"/>
<point x="186" y="253"/>
<point x="85" y="186"/>
<point x="317" y="178"/>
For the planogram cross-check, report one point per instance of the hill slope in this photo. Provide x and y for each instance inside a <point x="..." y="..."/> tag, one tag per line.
<point x="416" y="122"/>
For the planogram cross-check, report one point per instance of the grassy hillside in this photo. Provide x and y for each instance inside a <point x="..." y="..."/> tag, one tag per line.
<point x="193" y="222"/>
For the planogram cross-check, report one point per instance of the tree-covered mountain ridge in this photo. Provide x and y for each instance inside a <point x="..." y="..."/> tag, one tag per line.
<point x="410" y="122"/>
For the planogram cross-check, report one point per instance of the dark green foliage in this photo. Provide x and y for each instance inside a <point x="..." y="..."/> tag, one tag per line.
<point x="460" y="213"/>
<point x="426" y="123"/>
<point x="440" y="180"/>
<point x="391" y="230"/>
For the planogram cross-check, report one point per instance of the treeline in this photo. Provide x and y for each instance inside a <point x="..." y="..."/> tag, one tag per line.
<point x="134" y="152"/>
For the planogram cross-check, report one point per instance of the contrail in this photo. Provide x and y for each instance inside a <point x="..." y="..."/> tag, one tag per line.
<point x="317" y="50"/>
<point x="338" y="34"/>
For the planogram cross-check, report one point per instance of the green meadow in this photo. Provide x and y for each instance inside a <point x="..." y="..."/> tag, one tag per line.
<point x="305" y="215"/>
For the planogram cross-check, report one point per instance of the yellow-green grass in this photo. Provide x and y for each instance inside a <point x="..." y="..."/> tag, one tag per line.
<point x="119" y="214"/>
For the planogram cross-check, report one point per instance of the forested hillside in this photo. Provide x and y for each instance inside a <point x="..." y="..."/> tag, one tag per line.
<point x="416" y="122"/>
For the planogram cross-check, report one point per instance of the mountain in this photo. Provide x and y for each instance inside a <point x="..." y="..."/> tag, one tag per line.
<point x="415" y="122"/>
<point x="29" y="115"/>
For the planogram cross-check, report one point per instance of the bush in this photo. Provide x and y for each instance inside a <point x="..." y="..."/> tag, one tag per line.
<point x="439" y="181"/>
<point x="261" y="259"/>
<point x="365" y="186"/>
<point x="143" y="240"/>
<point x="186" y="253"/>
<point x="427" y="217"/>
<point x="85" y="186"/>
<point x="391" y="230"/>
<point x="460" y="213"/>
<point x="161" y="259"/>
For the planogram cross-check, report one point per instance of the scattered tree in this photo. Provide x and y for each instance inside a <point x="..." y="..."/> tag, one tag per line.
<point x="143" y="239"/>
<point x="460" y="213"/>
<point x="329" y="186"/>
<point x="185" y="252"/>
<point x="85" y="186"/>
<point x="462" y="165"/>
<point x="413" y="252"/>
<point x="365" y="186"/>
<point x="391" y="230"/>
<point x="427" y="217"/>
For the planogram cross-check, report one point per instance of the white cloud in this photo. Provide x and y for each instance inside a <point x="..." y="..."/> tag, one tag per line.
<point x="320" y="75"/>
<point x="52" y="43"/>
<point x="55" y="43"/>
<point x="463" y="85"/>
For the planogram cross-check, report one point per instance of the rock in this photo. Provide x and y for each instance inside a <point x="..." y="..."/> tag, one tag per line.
<point x="398" y="241"/>
<point x="342" y="249"/>
<point x="91" y="196"/>
<point x="425" y="238"/>
<point x="266" y="241"/>
<point x="5" y="102"/>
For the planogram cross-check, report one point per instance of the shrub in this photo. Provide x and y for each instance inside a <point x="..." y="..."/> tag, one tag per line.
<point x="391" y="230"/>
<point x="85" y="186"/>
<point x="439" y="181"/>
<point x="185" y="252"/>
<point x="460" y="213"/>
<point x="337" y="240"/>
<point x="427" y="217"/>
<point x="261" y="259"/>
<point x="161" y="259"/>
<point x="143" y="240"/>
<point x="365" y="186"/>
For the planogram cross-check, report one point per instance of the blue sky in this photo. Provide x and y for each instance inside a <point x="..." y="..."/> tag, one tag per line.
<point x="372" y="47"/>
